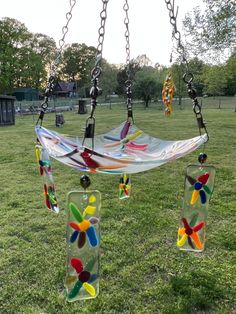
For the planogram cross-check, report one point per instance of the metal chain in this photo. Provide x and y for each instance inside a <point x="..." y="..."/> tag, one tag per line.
<point x="54" y="65"/>
<point x="95" y="91"/>
<point x="127" y="47"/>
<point x="96" y="71"/>
<point x="188" y="76"/>
<point x="65" y="30"/>
<point x="128" y="82"/>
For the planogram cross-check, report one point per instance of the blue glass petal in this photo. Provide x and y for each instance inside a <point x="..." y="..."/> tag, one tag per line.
<point x="91" y="233"/>
<point x="74" y="236"/>
<point x="203" y="196"/>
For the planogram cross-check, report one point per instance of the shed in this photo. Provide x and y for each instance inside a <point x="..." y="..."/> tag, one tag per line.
<point x="65" y="89"/>
<point x="26" y="93"/>
<point x="7" y="110"/>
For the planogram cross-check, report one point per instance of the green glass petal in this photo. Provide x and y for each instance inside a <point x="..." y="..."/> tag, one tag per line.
<point x="193" y="220"/>
<point x="90" y="265"/>
<point x="75" y="212"/>
<point x="75" y="290"/>
<point x="207" y="189"/>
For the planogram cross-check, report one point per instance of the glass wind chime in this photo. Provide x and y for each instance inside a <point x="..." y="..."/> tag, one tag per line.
<point x="199" y="179"/>
<point x="83" y="206"/>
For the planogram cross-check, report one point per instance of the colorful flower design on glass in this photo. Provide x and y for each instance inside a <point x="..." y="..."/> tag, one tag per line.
<point x="83" y="277"/>
<point x="84" y="227"/>
<point x="190" y="232"/>
<point x="122" y="141"/>
<point x="199" y="188"/>
<point x="44" y="165"/>
<point x="124" y="186"/>
<point x="50" y="197"/>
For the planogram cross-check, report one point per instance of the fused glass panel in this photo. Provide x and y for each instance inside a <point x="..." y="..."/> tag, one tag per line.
<point x="124" y="186"/>
<point x="198" y="189"/>
<point x="83" y="242"/>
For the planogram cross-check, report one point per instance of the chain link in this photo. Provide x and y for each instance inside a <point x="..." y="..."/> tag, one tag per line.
<point x="127" y="47"/>
<point x="95" y="91"/>
<point x="53" y="69"/>
<point x="128" y="82"/>
<point x="65" y="30"/>
<point x="188" y="76"/>
<point x="96" y="72"/>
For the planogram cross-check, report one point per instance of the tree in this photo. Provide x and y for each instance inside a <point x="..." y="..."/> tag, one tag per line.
<point x="213" y="29"/>
<point x="24" y="57"/>
<point x="142" y="61"/>
<point x="122" y="75"/>
<point x="177" y="71"/>
<point x="108" y="80"/>
<point x="37" y="61"/>
<point x="146" y="87"/>
<point x="77" y="62"/>
<point x="14" y="44"/>
<point x="215" y="80"/>
<point x="231" y="75"/>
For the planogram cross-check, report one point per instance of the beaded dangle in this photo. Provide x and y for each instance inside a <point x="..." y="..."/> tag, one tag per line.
<point x="45" y="170"/>
<point x="124" y="186"/>
<point x="168" y="93"/>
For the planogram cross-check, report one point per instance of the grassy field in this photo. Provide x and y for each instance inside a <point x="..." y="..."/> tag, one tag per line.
<point x="142" y="270"/>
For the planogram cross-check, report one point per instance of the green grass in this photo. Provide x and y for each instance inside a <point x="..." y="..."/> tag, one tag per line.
<point x="142" y="271"/>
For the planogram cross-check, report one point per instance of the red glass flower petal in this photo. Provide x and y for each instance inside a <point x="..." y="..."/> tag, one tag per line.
<point x="188" y="230"/>
<point x="77" y="264"/>
<point x="199" y="226"/>
<point x="203" y="179"/>
<point x="74" y="225"/>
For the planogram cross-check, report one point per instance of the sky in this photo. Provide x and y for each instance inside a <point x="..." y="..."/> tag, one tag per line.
<point x="150" y="30"/>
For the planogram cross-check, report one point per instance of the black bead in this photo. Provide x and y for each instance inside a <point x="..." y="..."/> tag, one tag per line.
<point x="202" y="158"/>
<point x="85" y="181"/>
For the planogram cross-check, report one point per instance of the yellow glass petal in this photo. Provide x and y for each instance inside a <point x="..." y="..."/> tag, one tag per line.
<point x="134" y="135"/>
<point x="37" y="152"/>
<point x="182" y="241"/>
<point x="92" y="199"/>
<point x="89" y="288"/>
<point x="194" y="197"/>
<point x="89" y="210"/>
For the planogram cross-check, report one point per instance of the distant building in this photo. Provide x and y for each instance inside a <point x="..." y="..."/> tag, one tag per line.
<point x="65" y="89"/>
<point x="7" y="110"/>
<point x="26" y="93"/>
